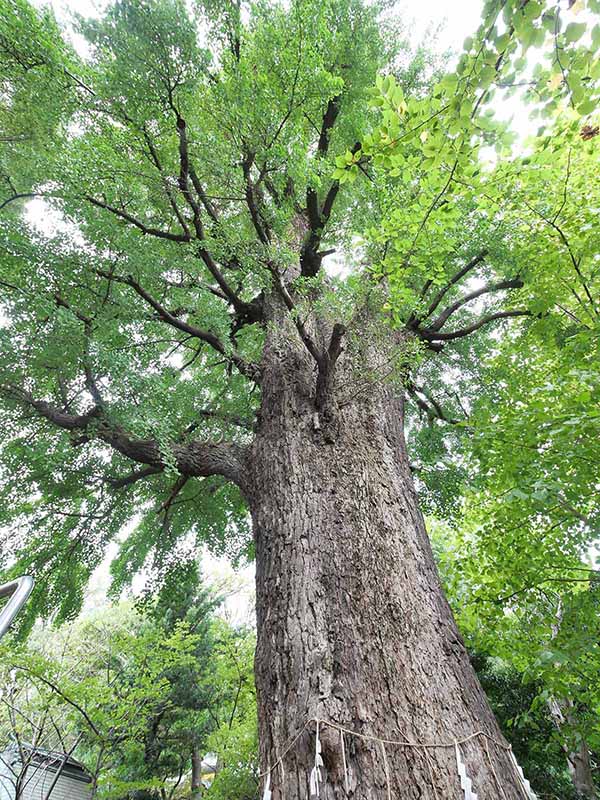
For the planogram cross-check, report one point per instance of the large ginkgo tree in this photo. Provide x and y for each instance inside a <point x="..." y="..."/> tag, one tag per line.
<point x="266" y="227"/>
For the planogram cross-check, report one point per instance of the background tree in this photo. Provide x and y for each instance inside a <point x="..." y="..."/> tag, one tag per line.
<point x="137" y="697"/>
<point x="535" y="654"/>
<point x="177" y="351"/>
<point x="525" y="445"/>
<point x="28" y="721"/>
<point x="527" y="726"/>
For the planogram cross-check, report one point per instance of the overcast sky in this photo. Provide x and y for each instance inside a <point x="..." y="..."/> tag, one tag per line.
<point x="459" y="19"/>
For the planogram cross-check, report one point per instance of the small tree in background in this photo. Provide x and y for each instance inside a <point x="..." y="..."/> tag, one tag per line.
<point x="138" y="697"/>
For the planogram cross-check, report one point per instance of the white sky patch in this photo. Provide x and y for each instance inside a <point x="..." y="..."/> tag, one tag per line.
<point x="457" y="20"/>
<point x="49" y="221"/>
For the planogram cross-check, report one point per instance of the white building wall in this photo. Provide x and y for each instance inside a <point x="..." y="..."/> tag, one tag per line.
<point x="7" y="781"/>
<point x="40" y="780"/>
<point x="37" y="782"/>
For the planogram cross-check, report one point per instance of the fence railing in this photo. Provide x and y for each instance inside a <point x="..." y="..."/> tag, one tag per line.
<point x="17" y="591"/>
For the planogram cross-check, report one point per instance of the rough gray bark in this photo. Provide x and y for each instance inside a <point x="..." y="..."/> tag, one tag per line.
<point x="353" y="626"/>
<point x="580" y="768"/>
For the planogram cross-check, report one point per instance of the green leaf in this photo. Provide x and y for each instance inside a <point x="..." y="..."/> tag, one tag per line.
<point x="574" y="31"/>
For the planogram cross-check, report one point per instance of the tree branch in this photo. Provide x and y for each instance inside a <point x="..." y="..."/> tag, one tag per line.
<point x="173" y="237"/>
<point x="453" y="280"/>
<point x="18" y="196"/>
<point x="252" y="201"/>
<point x="175" y="489"/>
<point x="250" y="370"/>
<point x="183" y="179"/>
<point x="591" y="579"/>
<point x="515" y="283"/>
<point x="430" y="406"/>
<point x="574" y="260"/>
<point x="133" y="477"/>
<point x="432" y="336"/>
<point x="58" y="417"/>
<point x="62" y="695"/>
<point x="168" y="190"/>
<point x="327" y="363"/>
<point x="312" y="197"/>
<point x="204" y="198"/>
<point x="318" y="215"/>
<point x="329" y="118"/>
<point x="310" y="258"/>
<point x="245" y="311"/>
<point x="300" y="327"/>
<point x="194" y="459"/>
<point x="90" y="380"/>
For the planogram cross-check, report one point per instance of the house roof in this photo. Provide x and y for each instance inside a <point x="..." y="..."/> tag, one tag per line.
<point x="51" y="760"/>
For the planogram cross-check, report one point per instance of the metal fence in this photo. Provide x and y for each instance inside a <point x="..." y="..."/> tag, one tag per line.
<point x="17" y="591"/>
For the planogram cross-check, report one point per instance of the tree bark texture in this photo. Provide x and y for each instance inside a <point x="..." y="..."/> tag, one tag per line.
<point x="353" y="625"/>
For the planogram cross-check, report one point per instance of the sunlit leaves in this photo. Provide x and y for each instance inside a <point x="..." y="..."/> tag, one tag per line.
<point x="37" y="93"/>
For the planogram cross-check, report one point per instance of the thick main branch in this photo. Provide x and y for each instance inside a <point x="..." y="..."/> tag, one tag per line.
<point x="193" y="459"/>
<point x="490" y="288"/>
<point x="250" y="370"/>
<point x="470" y="265"/>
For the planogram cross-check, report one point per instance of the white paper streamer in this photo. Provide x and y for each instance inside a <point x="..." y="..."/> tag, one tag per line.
<point x="524" y="782"/>
<point x="315" y="775"/>
<point x="344" y="762"/>
<point x="387" y="772"/>
<point x="465" y="781"/>
<point x="267" y="789"/>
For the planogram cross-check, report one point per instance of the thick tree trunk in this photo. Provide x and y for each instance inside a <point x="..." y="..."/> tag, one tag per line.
<point x="353" y="627"/>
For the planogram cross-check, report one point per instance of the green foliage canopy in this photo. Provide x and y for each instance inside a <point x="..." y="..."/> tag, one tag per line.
<point x="192" y="158"/>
